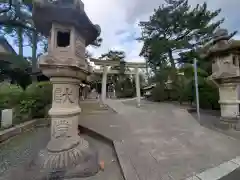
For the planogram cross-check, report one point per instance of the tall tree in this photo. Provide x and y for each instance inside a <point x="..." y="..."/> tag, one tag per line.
<point x="113" y="55"/>
<point x="175" y="28"/>
<point x="21" y="27"/>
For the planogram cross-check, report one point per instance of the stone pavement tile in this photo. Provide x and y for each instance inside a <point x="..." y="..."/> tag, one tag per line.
<point x="218" y="172"/>
<point x="146" y="166"/>
<point x="166" y="139"/>
<point x="111" y="126"/>
<point x="167" y="177"/>
<point x="125" y="162"/>
<point x="193" y="178"/>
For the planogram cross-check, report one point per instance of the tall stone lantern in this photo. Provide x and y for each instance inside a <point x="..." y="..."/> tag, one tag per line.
<point x="69" y="31"/>
<point x="225" y="55"/>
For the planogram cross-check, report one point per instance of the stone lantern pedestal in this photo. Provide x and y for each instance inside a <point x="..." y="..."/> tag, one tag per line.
<point x="69" y="31"/>
<point x="66" y="152"/>
<point x="229" y="101"/>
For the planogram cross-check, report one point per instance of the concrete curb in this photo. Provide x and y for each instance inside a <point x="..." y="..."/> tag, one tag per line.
<point x="122" y="160"/>
<point x="13" y="131"/>
<point x="125" y="163"/>
<point x="219" y="171"/>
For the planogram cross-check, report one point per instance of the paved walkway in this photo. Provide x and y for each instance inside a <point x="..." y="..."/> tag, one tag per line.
<point x="161" y="141"/>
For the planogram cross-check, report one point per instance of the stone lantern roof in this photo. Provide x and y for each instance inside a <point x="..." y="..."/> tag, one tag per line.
<point x="221" y="45"/>
<point x="65" y="12"/>
<point x="223" y="51"/>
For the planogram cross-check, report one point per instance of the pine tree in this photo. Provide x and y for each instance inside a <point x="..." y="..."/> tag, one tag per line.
<point x="174" y="28"/>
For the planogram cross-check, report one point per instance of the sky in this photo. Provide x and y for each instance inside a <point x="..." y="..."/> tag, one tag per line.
<point x="119" y="20"/>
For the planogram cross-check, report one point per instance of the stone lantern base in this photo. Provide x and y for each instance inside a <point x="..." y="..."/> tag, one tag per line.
<point x="68" y="158"/>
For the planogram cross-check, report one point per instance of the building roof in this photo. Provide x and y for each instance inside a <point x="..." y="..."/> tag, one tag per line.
<point x="6" y="45"/>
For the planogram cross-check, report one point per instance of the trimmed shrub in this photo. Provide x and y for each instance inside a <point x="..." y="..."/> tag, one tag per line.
<point x="36" y="100"/>
<point x="10" y="95"/>
<point x="208" y="96"/>
<point x="159" y="93"/>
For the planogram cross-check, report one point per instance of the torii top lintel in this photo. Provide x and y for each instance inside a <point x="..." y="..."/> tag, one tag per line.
<point x="117" y="63"/>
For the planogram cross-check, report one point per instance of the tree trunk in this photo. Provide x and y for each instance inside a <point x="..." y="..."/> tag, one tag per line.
<point x="20" y="40"/>
<point x="173" y="72"/>
<point x="171" y="59"/>
<point x="34" y="55"/>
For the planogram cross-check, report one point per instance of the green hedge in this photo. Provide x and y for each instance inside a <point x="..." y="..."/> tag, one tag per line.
<point x="208" y="96"/>
<point x="34" y="102"/>
<point x="36" y="99"/>
<point x="159" y="93"/>
<point x="10" y="95"/>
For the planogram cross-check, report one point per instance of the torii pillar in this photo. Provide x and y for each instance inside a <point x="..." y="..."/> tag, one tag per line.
<point x="138" y="92"/>
<point x="104" y="84"/>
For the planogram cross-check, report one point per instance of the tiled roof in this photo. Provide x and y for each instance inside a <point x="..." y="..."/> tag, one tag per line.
<point x="6" y="45"/>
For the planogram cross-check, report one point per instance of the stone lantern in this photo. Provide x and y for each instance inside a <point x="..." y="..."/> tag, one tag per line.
<point x="225" y="56"/>
<point x="69" y="31"/>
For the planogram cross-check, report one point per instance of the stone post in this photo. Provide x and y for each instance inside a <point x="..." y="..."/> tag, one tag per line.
<point x="138" y="93"/>
<point x="104" y="84"/>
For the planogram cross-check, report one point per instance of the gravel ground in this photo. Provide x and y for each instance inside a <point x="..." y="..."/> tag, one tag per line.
<point x="17" y="153"/>
<point x="19" y="150"/>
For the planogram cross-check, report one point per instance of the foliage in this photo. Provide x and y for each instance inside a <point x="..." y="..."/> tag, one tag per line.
<point x="208" y="96"/>
<point x="187" y="83"/>
<point x="172" y="35"/>
<point x="34" y="102"/>
<point x="113" y="56"/>
<point x="15" y="68"/>
<point x="37" y="99"/>
<point x="176" y="27"/>
<point x="19" y="26"/>
<point x="10" y="95"/>
<point x="159" y="93"/>
<point x="118" y="56"/>
<point x="125" y="88"/>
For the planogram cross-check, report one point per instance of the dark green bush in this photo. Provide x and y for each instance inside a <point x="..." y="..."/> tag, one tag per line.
<point x="126" y="93"/>
<point x="36" y="100"/>
<point x="187" y="93"/>
<point x="10" y="95"/>
<point x="159" y="93"/>
<point x="208" y="96"/>
<point x="125" y="88"/>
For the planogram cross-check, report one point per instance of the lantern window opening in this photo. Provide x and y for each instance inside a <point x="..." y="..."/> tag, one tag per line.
<point x="63" y="39"/>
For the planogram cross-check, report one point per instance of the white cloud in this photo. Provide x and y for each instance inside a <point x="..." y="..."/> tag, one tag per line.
<point x="111" y="15"/>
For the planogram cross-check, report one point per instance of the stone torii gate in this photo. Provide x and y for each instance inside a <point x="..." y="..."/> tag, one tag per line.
<point x="105" y="64"/>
